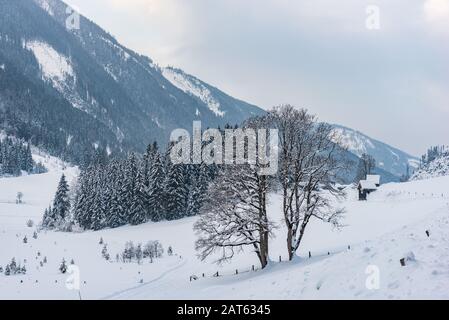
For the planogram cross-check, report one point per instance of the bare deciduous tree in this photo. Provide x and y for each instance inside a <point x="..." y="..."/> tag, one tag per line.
<point x="367" y="164"/>
<point x="308" y="168"/>
<point x="234" y="215"/>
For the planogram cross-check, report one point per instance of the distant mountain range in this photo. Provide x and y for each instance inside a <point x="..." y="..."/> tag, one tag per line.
<point x="79" y="92"/>
<point x="387" y="157"/>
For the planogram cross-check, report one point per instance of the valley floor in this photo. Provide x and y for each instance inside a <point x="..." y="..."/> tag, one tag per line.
<point x="391" y="225"/>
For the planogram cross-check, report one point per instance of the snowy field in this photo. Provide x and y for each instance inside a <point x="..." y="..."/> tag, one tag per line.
<point x="378" y="233"/>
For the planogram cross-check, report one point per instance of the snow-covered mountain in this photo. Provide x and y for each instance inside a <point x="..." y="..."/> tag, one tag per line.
<point x="58" y="82"/>
<point x="78" y="92"/>
<point x="387" y="157"/>
<point x="436" y="168"/>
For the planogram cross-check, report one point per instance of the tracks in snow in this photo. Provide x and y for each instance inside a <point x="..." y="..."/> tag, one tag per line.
<point x="134" y="292"/>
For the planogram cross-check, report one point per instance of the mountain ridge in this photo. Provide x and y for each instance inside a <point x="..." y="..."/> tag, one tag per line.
<point x="125" y="95"/>
<point x="387" y="157"/>
<point x="79" y="93"/>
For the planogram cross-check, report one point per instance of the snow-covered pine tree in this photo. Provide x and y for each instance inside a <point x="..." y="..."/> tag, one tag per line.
<point x="155" y="193"/>
<point x="61" y="203"/>
<point x="199" y="182"/>
<point x="13" y="265"/>
<point x="82" y="206"/>
<point x="138" y="213"/>
<point x="176" y="190"/>
<point x="15" y="156"/>
<point x="63" y="266"/>
<point x="147" y="162"/>
<point x="128" y="187"/>
<point x="99" y="207"/>
<point x="27" y="159"/>
<point x="116" y="214"/>
<point x="47" y="220"/>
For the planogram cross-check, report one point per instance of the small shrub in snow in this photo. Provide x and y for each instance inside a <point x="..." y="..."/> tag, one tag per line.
<point x="153" y="249"/>
<point x="30" y="223"/>
<point x="7" y="270"/>
<point x="63" y="266"/>
<point x="105" y="253"/>
<point x="139" y="253"/>
<point x="12" y="268"/>
<point x="39" y="168"/>
<point x="35" y="235"/>
<point x="25" y="240"/>
<point x="128" y="253"/>
<point x="170" y="251"/>
<point x="19" y="197"/>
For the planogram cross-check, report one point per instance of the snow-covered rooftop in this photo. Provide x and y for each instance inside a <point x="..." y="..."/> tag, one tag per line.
<point x="367" y="185"/>
<point x="373" y="178"/>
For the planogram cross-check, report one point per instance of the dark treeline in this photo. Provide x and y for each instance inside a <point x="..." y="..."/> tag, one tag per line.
<point x="15" y="157"/>
<point x="139" y="189"/>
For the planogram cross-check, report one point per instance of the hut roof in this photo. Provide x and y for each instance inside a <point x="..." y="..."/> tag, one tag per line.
<point x="367" y="185"/>
<point x="373" y="178"/>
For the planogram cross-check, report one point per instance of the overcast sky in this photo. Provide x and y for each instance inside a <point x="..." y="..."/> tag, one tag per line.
<point x="391" y="82"/>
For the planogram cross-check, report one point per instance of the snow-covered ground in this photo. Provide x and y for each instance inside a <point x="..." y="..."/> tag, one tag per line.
<point x="379" y="232"/>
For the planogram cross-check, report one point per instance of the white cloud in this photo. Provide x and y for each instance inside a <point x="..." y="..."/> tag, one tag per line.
<point x="313" y="53"/>
<point x="437" y="13"/>
<point x="437" y="96"/>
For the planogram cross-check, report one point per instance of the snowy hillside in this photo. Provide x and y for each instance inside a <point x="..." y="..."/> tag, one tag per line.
<point x="389" y="226"/>
<point x="194" y="87"/>
<point x="387" y="157"/>
<point x="436" y="168"/>
<point x="113" y="96"/>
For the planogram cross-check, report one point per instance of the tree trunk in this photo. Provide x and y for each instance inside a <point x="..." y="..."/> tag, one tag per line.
<point x="291" y="250"/>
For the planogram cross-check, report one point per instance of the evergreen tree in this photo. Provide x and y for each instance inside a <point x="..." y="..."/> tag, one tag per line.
<point x="138" y="213"/>
<point x="48" y="220"/>
<point x="61" y="203"/>
<point x="81" y="208"/>
<point x="15" y="157"/>
<point x="156" y="196"/>
<point x="176" y="192"/>
<point x="100" y="203"/>
<point x="116" y="216"/>
<point x="63" y="266"/>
